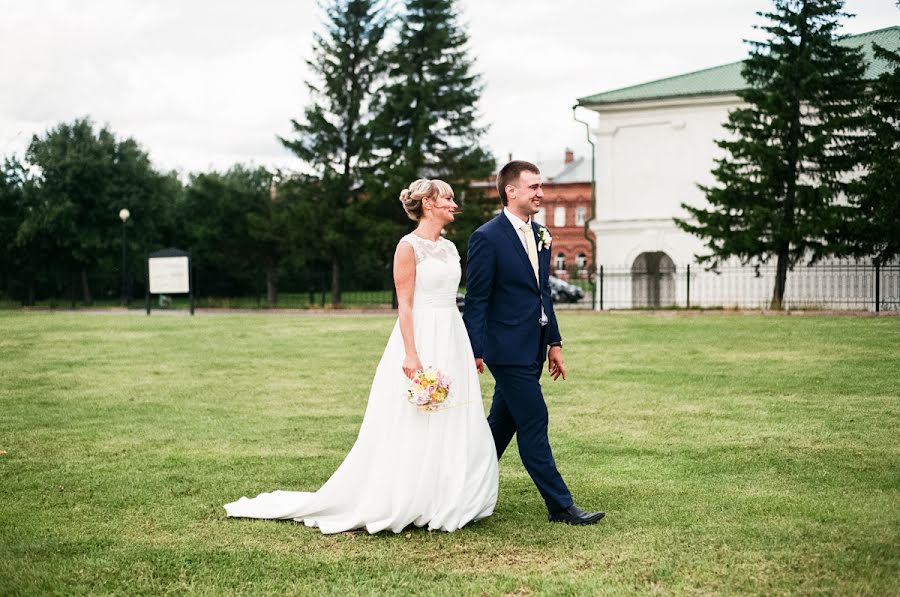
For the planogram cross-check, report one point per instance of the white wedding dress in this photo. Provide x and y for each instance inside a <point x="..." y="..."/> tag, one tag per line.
<point x="408" y="466"/>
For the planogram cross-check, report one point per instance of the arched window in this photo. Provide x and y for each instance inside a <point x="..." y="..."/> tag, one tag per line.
<point x="560" y="262"/>
<point x="581" y="261"/>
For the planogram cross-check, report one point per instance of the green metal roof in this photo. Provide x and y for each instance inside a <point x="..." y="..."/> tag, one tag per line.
<point x="726" y="79"/>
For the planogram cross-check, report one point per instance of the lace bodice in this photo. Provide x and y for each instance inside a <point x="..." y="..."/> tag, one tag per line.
<point x="437" y="271"/>
<point x="441" y="249"/>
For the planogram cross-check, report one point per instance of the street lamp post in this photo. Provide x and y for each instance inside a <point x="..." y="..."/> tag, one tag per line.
<point x="124" y="215"/>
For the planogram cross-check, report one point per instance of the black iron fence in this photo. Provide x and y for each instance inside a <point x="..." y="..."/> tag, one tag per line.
<point x="302" y="289"/>
<point x="843" y="285"/>
<point x="309" y="289"/>
<point x="835" y="285"/>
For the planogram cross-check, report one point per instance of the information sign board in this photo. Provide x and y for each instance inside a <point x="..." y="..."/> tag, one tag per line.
<point x="169" y="275"/>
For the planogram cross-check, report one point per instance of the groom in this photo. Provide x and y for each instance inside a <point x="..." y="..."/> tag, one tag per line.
<point x="510" y="319"/>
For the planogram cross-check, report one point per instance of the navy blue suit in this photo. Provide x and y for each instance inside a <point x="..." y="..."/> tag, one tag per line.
<point x="503" y="319"/>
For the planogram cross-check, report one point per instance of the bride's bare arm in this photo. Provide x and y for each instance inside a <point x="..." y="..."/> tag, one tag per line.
<point x="405" y="282"/>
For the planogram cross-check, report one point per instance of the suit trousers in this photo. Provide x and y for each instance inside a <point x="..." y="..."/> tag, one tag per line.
<point x="518" y="408"/>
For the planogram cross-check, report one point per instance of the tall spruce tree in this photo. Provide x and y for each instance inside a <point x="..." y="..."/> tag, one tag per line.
<point x="779" y="181"/>
<point x="869" y="225"/>
<point x="427" y="122"/>
<point x="335" y="138"/>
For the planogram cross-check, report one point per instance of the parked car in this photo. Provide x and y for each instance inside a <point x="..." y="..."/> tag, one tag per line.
<point x="560" y="291"/>
<point x="564" y="292"/>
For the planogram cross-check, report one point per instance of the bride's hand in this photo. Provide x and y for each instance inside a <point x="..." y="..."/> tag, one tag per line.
<point x="411" y="366"/>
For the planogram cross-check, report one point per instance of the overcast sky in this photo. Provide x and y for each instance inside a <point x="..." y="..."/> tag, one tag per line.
<point x="203" y="84"/>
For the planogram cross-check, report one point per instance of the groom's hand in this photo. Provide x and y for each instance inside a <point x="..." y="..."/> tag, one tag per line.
<point x="479" y="365"/>
<point x="555" y="363"/>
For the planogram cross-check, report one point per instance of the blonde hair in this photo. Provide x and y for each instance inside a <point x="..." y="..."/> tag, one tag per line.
<point x="412" y="196"/>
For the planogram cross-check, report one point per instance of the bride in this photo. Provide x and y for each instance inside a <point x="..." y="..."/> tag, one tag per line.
<point x="410" y="466"/>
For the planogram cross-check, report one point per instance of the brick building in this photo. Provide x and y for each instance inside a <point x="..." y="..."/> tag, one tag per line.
<point x="566" y="209"/>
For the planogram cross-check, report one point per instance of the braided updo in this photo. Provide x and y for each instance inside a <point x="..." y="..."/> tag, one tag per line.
<point x="412" y="196"/>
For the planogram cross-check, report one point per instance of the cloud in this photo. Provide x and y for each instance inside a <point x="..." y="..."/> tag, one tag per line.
<point x="183" y="78"/>
<point x="205" y="84"/>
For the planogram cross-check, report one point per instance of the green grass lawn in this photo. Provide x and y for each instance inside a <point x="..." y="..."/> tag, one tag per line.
<point x="733" y="454"/>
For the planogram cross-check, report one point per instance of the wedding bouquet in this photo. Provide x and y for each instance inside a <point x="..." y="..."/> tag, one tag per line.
<point x="429" y="390"/>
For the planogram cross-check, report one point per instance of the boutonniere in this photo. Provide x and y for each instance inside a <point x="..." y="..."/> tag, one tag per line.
<point x="544" y="238"/>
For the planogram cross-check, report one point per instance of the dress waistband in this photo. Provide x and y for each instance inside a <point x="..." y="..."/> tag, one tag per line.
<point x="443" y="300"/>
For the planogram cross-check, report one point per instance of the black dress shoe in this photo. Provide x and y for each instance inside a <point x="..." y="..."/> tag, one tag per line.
<point x="575" y="515"/>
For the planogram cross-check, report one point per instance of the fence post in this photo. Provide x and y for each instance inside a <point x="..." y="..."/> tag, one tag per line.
<point x="877" y="287"/>
<point x="192" y="277"/>
<point x="689" y="286"/>
<point x="601" y="287"/>
<point x="147" y="280"/>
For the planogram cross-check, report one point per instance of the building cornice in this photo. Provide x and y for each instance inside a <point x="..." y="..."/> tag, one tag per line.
<point x="641" y="224"/>
<point x="688" y="101"/>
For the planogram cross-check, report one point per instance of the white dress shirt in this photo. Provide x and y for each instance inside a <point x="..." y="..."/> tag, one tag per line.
<point x="517" y="224"/>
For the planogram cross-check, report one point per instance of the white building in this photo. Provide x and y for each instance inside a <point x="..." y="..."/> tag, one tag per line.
<point x="654" y="143"/>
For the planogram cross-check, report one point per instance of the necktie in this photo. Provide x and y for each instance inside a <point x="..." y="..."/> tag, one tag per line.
<point x="531" y="249"/>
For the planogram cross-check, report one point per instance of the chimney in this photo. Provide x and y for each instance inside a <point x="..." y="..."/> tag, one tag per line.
<point x="570" y="156"/>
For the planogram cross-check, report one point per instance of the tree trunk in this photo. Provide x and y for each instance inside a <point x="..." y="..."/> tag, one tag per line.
<point x="335" y="281"/>
<point x="792" y="164"/>
<point x="271" y="287"/>
<point x="781" y="268"/>
<point x="86" y="288"/>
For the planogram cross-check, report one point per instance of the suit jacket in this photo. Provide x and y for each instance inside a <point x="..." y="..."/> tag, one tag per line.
<point x="503" y="300"/>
